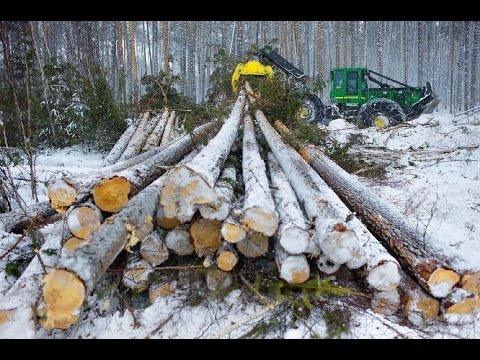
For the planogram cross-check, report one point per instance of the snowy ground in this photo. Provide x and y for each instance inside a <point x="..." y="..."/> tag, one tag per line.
<point x="433" y="177"/>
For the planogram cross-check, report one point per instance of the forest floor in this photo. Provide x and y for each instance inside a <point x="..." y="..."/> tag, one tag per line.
<point x="432" y="176"/>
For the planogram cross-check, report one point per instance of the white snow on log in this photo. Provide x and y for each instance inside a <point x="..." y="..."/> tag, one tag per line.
<point x="178" y="240"/>
<point x="384" y="276"/>
<point x="326" y="265"/>
<point x="386" y="302"/>
<point x="156" y="135"/>
<point x="258" y="206"/>
<point x="167" y="132"/>
<point x="138" y="138"/>
<point x="292" y="268"/>
<point x="120" y="145"/>
<point x="292" y="231"/>
<point x="220" y="208"/>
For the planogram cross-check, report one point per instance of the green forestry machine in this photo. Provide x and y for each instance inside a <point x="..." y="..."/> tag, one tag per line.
<point x="388" y="103"/>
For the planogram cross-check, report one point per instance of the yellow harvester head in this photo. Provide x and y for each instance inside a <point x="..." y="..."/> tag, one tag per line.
<point x="253" y="67"/>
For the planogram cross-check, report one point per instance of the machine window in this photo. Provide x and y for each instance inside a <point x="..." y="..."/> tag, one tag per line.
<point x="352" y="81"/>
<point x="339" y="78"/>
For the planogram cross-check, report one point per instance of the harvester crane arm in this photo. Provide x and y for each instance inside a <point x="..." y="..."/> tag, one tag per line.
<point x="287" y="67"/>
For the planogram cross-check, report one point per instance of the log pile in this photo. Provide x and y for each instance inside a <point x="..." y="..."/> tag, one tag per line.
<point x="160" y="195"/>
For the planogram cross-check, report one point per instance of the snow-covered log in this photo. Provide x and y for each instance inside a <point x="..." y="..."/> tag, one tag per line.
<point x="205" y="234"/>
<point x="153" y="248"/>
<point x="112" y="189"/>
<point x="220" y="208"/>
<point x="18" y="220"/>
<point x="386" y="302"/>
<point x="259" y="212"/>
<point x="356" y="250"/>
<point x="190" y="185"/>
<point x="326" y="265"/>
<point x="84" y="219"/>
<point x="156" y="135"/>
<point x="138" y="139"/>
<point x="167" y="132"/>
<point x="18" y="304"/>
<point x="178" y="240"/>
<point x="459" y="307"/>
<point x="292" y="232"/>
<point x="227" y="257"/>
<point x="294" y="269"/>
<point x="333" y="235"/>
<point x="232" y="230"/>
<point x="120" y="145"/>
<point x="135" y="276"/>
<point x="255" y="244"/>
<point x="387" y="224"/>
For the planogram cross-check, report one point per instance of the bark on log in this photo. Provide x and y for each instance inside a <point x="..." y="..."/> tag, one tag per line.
<point x="294" y="269"/>
<point x="192" y="184"/>
<point x="227" y="257"/>
<point x="220" y="208"/>
<point x="16" y="307"/>
<point x="136" y="274"/>
<point x="156" y="135"/>
<point x="167" y="132"/>
<point x="259" y="212"/>
<point x="292" y="232"/>
<point x="139" y="138"/>
<point x="120" y="145"/>
<point x="382" y="268"/>
<point x="333" y="234"/>
<point x="17" y="220"/>
<point x="116" y="187"/>
<point x="255" y="244"/>
<point x="84" y="219"/>
<point x="387" y="224"/>
<point x="232" y="231"/>
<point x="206" y="235"/>
<point x="153" y="248"/>
<point x="178" y="240"/>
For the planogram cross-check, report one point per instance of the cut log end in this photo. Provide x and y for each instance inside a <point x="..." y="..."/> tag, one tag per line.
<point x="182" y="191"/>
<point x="227" y="260"/>
<point x="178" y="240"/>
<point x="254" y="245"/>
<point x="326" y="265"/>
<point x="161" y="290"/>
<point x="294" y="240"/>
<point x="386" y="302"/>
<point x="6" y="316"/>
<point x="111" y="195"/>
<point x="63" y="294"/>
<point x="165" y="222"/>
<point x="233" y="233"/>
<point x="442" y="281"/>
<point x="421" y="309"/>
<point x="136" y="276"/>
<point x="83" y="220"/>
<point x="459" y="306"/>
<point x="61" y="195"/>
<point x="295" y="269"/>
<point x="206" y="234"/>
<point x="385" y="276"/>
<point x="340" y="245"/>
<point x="71" y="245"/>
<point x="260" y="221"/>
<point x="153" y="249"/>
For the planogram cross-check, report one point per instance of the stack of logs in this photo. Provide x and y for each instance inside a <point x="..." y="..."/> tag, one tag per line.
<point x="160" y="193"/>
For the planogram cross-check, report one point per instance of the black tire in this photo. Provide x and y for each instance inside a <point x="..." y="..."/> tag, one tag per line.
<point x="312" y="109"/>
<point x="380" y="108"/>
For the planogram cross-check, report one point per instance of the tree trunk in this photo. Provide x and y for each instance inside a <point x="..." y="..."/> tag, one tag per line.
<point x="387" y="224"/>
<point x="259" y="212"/>
<point x="167" y="132"/>
<point x="292" y="233"/>
<point x="333" y="233"/>
<point x="134" y="62"/>
<point x="166" y="67"/>
<point x="121" y="145"/>
<point x="156" y="135"/>
<point x="192" y="184"/>
<point x="139" y="138"/>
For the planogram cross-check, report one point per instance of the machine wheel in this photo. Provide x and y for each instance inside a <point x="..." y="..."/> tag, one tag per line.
<point x="381" y="113"/>
<point x="312" y="109"/>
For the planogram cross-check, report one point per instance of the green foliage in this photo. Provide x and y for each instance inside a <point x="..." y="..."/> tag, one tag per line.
<point x="16" y="267"/>
<point x="221" y="78"/>
<point x="50" y="252"/>
<point x="337" y="322"/>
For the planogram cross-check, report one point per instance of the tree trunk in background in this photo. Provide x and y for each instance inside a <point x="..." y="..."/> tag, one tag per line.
<point x="298" y="44"/>
<point x="452" y="66"/>
<point x="474" y="100"/>
<point x="337" y="44"/>
<point x="405" y="52"/>
<point x="134" y="62"/>
<point x="466" y="87"/>
<point x="284" y="39"/>
<point x="353" y="41"/>
<point x="345" y="43"/>
<point x="319" y="50"/>
<point x="380" y="42"/>
<point x="166" y="68"/>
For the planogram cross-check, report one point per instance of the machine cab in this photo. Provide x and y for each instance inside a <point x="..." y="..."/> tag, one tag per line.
<point x="349" y="85"/>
